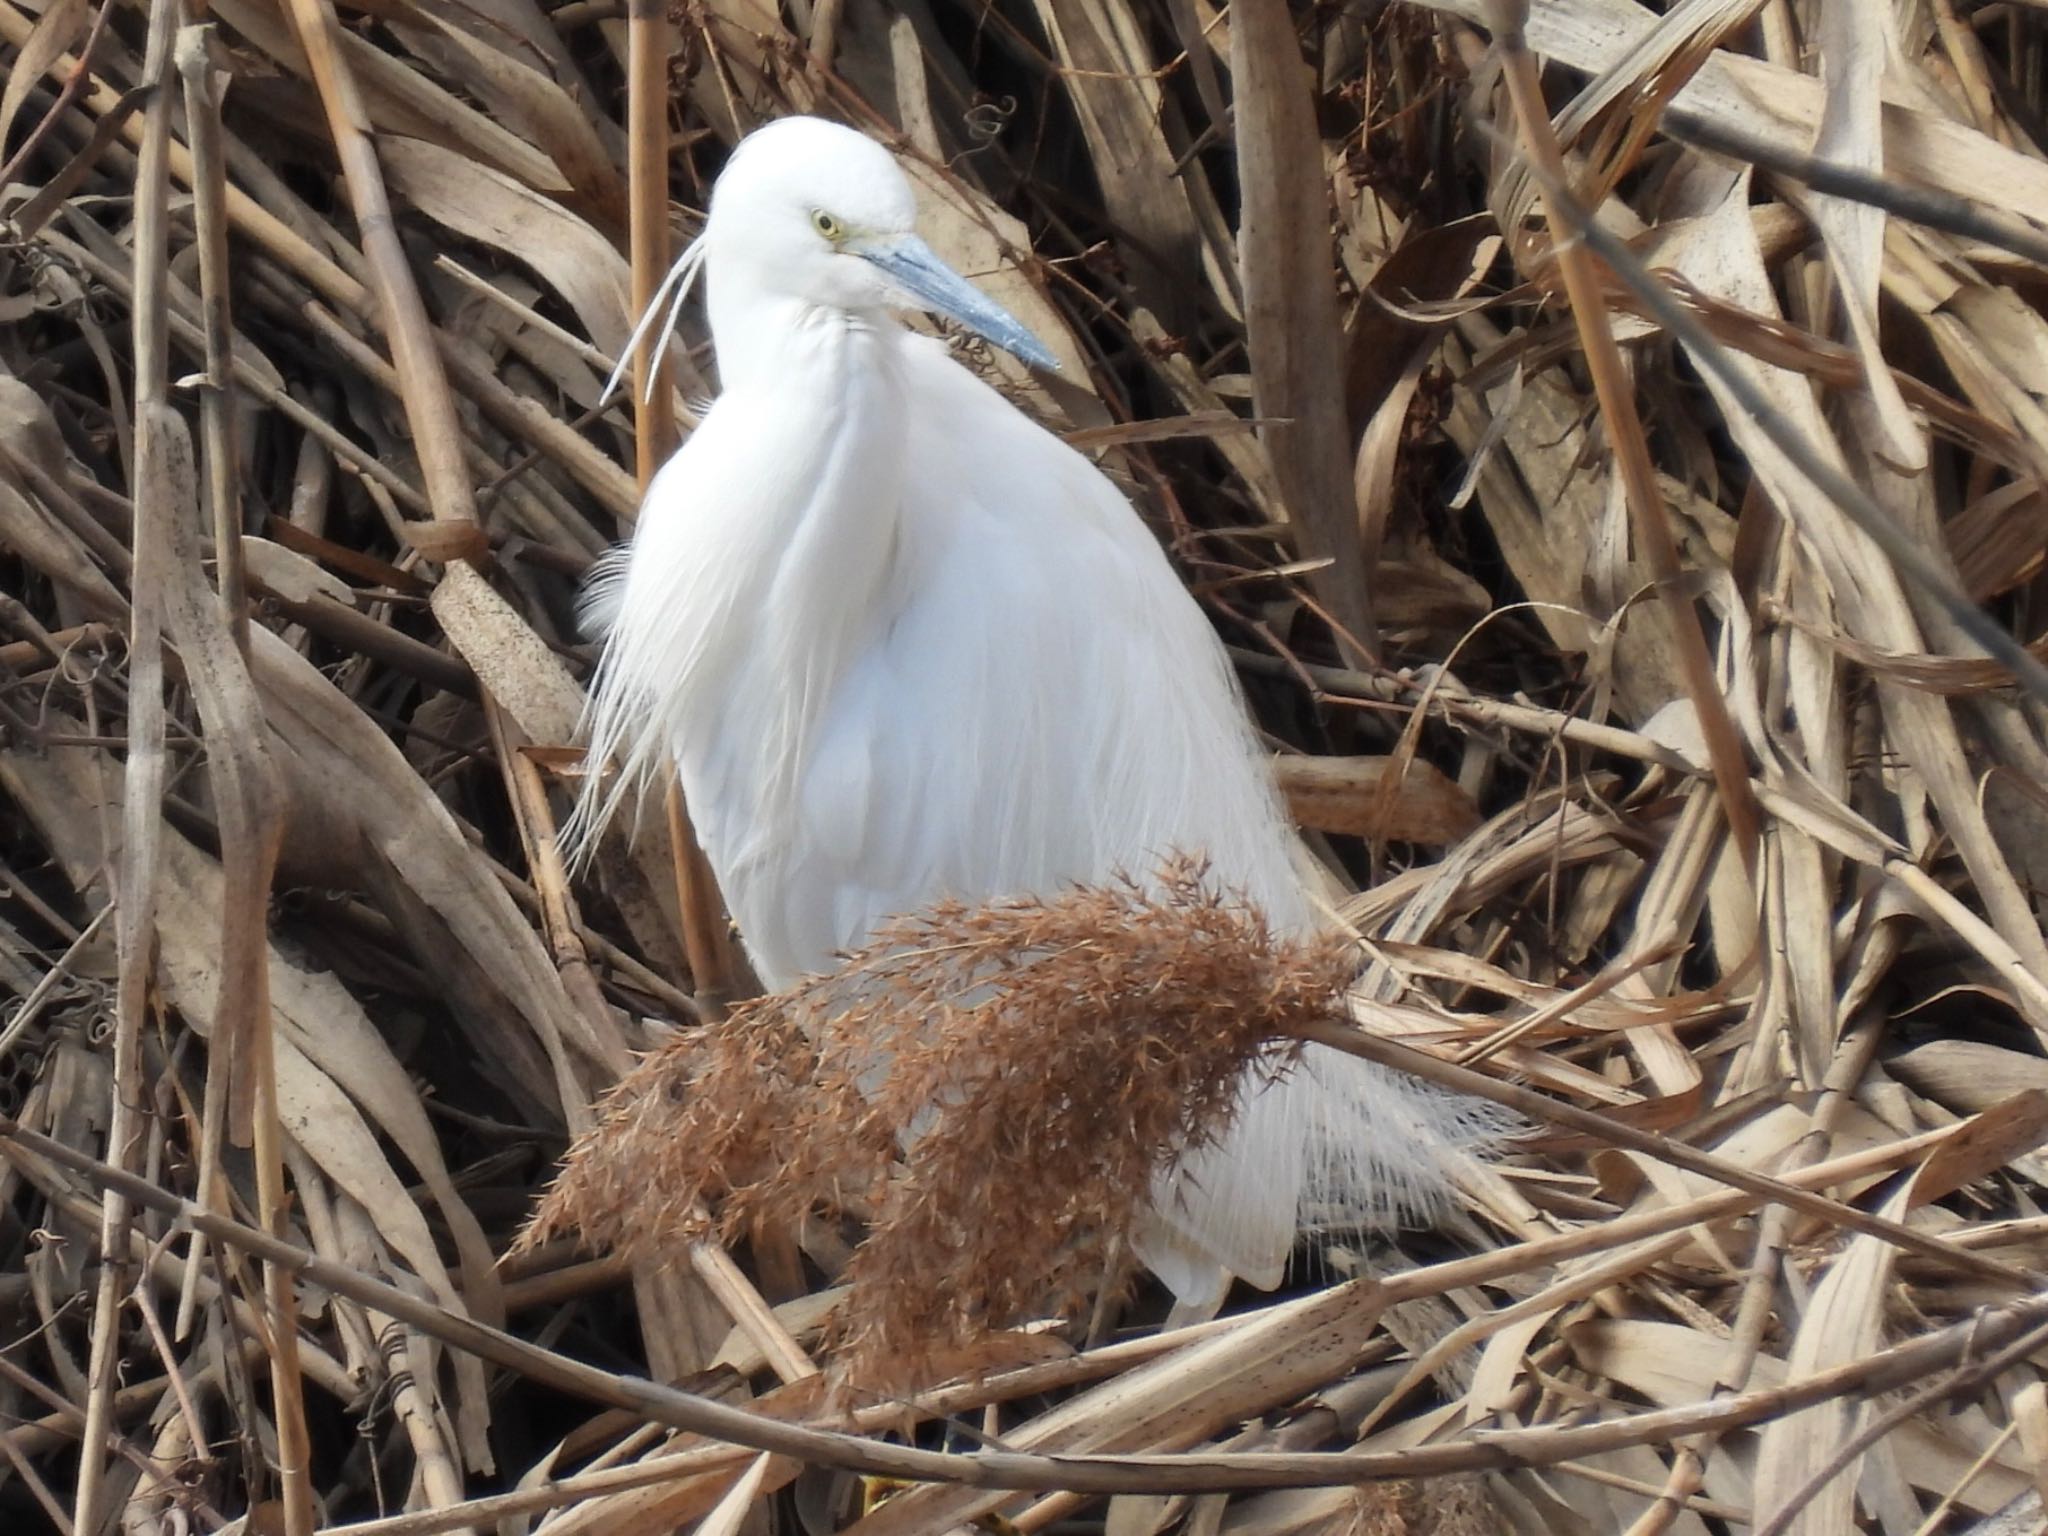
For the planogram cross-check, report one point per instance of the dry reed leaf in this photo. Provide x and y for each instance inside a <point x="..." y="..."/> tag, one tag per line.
<point x="1755" y="98"/>
<point x="335" y="1075"/>
<point x="1856" y="44"/>
<point x="541" y="107"/>
<point x="1671" y="1363"/>
<point x="1545" y="509"/>
<point x="56" y="30"/>
<point x="1112" y="78"/>
<point x="33" y="535"/>
<point x="1187" y="1395"/>
<point x="1377" y="798"/>
<point x="364" y="789"/>
<point x="975" y="236"/>
<point x="1843" y="1320"/>
<point x="743" y="38"/>
<point x="275" y="568"/>
<point x="2030" y="1413"/>
<point x="729" y="1515"/>
<point x="401" y="100"/>
<point x="495" y="210"/>
<point x="2002" y="1136"/>
<point x="1873" y="606"/>
<point x="1646" y="54"/>
<point x="1967" y="1076"/>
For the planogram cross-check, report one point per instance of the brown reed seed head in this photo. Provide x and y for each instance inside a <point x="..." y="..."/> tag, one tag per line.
<point x="994" y="1089"/>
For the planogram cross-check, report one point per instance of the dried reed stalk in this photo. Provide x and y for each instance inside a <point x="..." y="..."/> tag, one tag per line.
<point x="1216" y="1471"/>
<point x="437" y="435"/>
<point x="143" y="781"/>
<point x="654" y="434"/>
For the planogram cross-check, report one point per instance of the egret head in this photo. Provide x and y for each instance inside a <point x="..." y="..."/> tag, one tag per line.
<point x="813" y="211"/>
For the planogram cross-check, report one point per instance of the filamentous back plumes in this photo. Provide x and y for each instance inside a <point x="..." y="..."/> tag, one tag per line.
<point x="996" y="1090"/>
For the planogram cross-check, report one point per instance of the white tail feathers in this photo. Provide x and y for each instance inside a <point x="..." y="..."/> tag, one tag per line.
<point x="1335" y="1142"/>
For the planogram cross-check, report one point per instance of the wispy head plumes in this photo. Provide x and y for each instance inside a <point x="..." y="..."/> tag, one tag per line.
<point x="665" y="309"/>
<point x="995" y="1089"/>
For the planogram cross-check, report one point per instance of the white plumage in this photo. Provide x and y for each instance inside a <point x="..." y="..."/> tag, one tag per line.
<point x="904" y="644"/>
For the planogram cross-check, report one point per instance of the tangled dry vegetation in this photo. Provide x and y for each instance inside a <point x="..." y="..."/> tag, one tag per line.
<point x="1662" y="763"/>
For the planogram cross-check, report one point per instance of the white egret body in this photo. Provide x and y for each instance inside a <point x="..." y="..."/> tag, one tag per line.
<point x="904" y="644"/>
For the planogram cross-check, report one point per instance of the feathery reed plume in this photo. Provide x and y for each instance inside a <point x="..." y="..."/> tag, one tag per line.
<point x="994" y="1089"/>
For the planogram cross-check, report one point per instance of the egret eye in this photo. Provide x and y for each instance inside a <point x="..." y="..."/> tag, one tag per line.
<point x="826" y="225"/>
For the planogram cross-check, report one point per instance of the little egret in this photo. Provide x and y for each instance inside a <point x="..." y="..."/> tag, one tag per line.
<point x="902" y="644"/>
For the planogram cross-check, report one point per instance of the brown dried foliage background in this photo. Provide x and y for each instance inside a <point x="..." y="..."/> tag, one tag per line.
<point x="1644" y="773"/>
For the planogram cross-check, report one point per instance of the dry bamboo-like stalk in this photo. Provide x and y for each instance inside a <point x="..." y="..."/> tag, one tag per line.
<point x="437" y="436"/>
<point x="1291" y="307"/>
<point x="647" y="108"/>
<point x="647" y="137"/>
<point x="218" y="456"/>
<point x="242" y="1100"/>
<point x="143" y="782"/>
<point x="210" y="186"/>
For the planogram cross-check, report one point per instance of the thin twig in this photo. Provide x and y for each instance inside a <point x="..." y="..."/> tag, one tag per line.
<point x="32" y="1006"/>
<point x="1540" y="1106"/>
<point x="1190" y="1473"/>
<point x="1928" y="206"/>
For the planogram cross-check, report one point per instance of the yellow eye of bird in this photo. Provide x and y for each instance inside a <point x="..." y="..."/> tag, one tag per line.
<point x="826" y="225"/>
